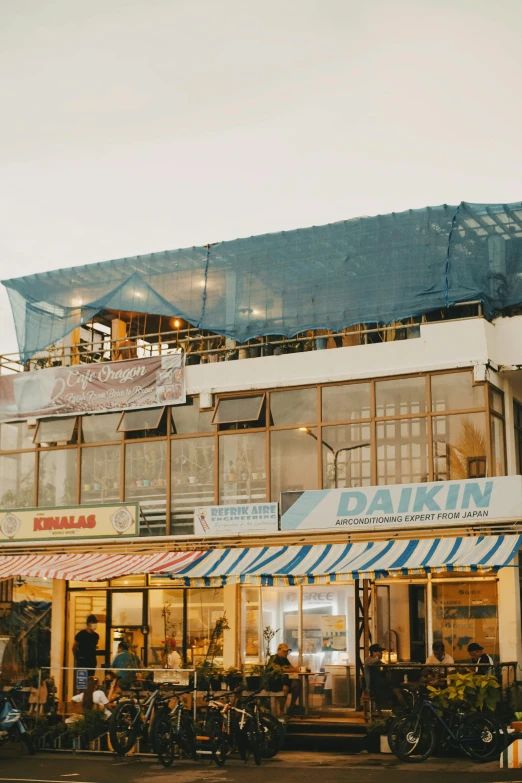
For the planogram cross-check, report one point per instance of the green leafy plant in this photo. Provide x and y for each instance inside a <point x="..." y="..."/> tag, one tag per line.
<point x="89" y="725"/>
<point x="474" y="692"/>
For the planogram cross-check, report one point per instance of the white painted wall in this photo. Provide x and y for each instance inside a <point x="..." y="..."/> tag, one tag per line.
<point x="509" y="623"/>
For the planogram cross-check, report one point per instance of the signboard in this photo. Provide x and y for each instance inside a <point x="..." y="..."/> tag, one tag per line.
<point x="223" y="520"/>
<point x="94" y="388"/>
<point x="172" y="676"/>
<point x="82" y="676"/>
<point x="436" y="505"/>
<point x="333" y="630"/>
<point x="38" y="524"/>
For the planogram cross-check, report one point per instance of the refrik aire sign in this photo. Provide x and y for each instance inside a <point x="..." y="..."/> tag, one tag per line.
<point x="434" y="504"/>
<point x="111" y="521"/>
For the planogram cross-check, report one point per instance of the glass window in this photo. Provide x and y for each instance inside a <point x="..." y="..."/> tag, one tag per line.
<point x="464" y="611"/>
<point x="402" y="451"/>
<point x="146" y="419"/>
<point x="101" y="474"/>
<point x="165" y="621"/>
<point x="400" y="396"/>
<point x="55" y="430"/>
<point x="280" y="611"/>
<point x="127" y="608"/>
<point x="17" y="475"/>
<point x="146" y="481"/>
<point x="459" y="443"/>
<point x="188" y="419"/>
<point x="204" y="608"/>
<point x="131" y="580"/>
<point x="57" y="478"/>
<point x="15" y="435"/>
<point x="82" y="603"/>
<point x="235" y="409"/>
<point x="342" y="403"/>
<point x="251" y="619"/>
<point x="346" y="458"/>
<point x="455" y="391"/>
<point x="293" y="461"/>
<point x="298" y="406"/>
<point x="100" y="428"/>
<point x="328" y="633"/>
<point x="242" y="468"/>
<point x="192" y="481"/>
<point x="498" y="452"/>
<point x="497" y="401"/>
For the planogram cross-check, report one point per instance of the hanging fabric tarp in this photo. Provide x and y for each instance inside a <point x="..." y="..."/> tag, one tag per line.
<point x="325" y="563"/>
<point x="366" y="270"/>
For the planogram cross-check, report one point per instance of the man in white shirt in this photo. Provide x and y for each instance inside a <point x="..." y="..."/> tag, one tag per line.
<point x="439" y="655"/>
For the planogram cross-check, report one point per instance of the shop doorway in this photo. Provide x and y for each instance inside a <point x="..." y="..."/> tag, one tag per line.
<point x="127" y="622"/>
<point x="400" y="621"/>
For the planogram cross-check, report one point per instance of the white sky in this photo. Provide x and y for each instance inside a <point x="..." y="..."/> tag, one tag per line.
<point x="134" y="126"/>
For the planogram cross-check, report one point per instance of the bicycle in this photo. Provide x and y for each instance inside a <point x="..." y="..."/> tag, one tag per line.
<point x="130" y="720"/>
<point x="240" y="728"/>
<point x="413" y="737"/>
<point x="273" y="732"/>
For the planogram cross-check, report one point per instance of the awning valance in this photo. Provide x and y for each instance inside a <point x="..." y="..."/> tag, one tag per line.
<point x="92" y="567"/>
<point x="324" y="563"/>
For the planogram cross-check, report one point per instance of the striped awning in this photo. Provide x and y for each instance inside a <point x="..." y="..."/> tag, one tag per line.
<point x="325" y="563"/>
<point x="92" y="566"/>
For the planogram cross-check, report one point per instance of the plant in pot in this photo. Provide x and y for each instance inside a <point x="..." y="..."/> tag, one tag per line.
<point x="272" y="676"/>
<point x="253" y="678"/>
<point x="233" y="678"/>
<point x="473" y="692"/>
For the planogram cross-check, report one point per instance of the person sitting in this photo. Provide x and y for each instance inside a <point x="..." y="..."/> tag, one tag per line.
<point x="485" y="663"/>
<point x="93" y="698"/>
<point x="437" y="675"/>
<point x="126" y="660"/>
<point x="374" y="679"/>
<point x="291" y="685"/>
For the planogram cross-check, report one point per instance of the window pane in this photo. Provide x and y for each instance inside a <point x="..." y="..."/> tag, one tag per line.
<point x="459" y="446"/>
<point x="497" y="447"/>
<point x="15" y="435"/>
<point x="281" y="612"/>
<point x="127" y="608"/>
<point x="101" y="474"/>
<point x="323" y="644"/>
<point x="162" y="627"/>
<point x="57" y="478"/>
<point x="235" y="409"/>
<point x="497" y="401"/>
<point x="192" y="481"/>
<point x="293" y="461"/>
<point x="402" y="451"/>
<point x="251" y="610"/>
<point x="146" y="481"/>
<point x="293" y="407"/>
<point x="17" y="474"/>
<point x="55" y="430"/>
<point x="242" y="476"/>
<point x="187" y="419"/>
<point x="97" y="429"/>
<point x="353" y="467"/>
<point x="466" y="610"/>
<point x="204" y="607"/>
<point x="147" y="419"/>
<point x="346" y="402"/>
<point x="455" y="391"/>
<point x="400" y="396"/>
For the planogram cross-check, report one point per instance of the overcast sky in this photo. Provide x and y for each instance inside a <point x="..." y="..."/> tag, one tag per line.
<point x="134" y="126"/>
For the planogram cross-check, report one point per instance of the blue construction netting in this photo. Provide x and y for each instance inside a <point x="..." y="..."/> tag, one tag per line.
<point x="366" y="270"/>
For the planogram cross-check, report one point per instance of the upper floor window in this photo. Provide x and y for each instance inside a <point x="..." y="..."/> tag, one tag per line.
<point x="51" y="432"/>
<point x="240" y="412"/>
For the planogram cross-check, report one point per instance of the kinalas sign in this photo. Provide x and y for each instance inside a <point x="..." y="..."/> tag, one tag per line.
<point x="46" y="524"/>
<point x="407" y="505"/>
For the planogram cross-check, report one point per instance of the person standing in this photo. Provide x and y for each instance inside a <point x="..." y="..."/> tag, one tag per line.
<point x="85" y="644"/>
<point x="126" y="660"/>
<point x="485" y="663"/>
<point x="374" y="678"/>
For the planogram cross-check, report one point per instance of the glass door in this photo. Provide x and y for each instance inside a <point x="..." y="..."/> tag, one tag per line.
<point x="128" y="623"/>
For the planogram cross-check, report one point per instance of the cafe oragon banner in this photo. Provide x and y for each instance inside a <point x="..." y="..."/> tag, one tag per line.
<point x="49" y="524"/>
<point x="94" y="388"/>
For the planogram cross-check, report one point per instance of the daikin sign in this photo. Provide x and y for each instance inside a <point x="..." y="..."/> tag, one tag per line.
<point x="407" y="505"/>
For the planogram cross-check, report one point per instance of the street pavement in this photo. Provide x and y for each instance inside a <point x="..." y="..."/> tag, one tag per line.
<point x="290" y="767"/>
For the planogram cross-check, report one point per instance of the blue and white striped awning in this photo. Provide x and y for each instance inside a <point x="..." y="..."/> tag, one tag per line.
<point x="325" y="563"/>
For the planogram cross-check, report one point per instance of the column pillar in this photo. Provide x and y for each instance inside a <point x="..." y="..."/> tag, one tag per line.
<point x="509" y="625"/>
<point x="230" y="640"/>
<point x="58" y="616"/>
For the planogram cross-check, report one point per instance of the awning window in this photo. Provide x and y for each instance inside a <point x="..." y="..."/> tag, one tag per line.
<point x="146" y="419"/>
<point x="55" y="430"/>
<point x="232" y="410"/>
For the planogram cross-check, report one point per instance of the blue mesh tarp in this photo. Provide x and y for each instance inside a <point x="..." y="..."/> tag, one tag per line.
<point x="367" y="270"/>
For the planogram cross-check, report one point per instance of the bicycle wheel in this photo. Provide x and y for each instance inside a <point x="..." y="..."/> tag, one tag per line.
<point x="187" y="739"/>
<point x="163" y="738"/>
<point x="410" y="739"/>
<point x="271" y="738"/>
<point x="124" y="726"/>
<point x="254" y="739"/>
<point x="482" y="737"/>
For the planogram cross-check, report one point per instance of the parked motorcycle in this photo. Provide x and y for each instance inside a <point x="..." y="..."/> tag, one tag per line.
<point x="12" y="726"/>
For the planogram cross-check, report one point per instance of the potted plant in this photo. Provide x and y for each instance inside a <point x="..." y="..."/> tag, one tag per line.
<point x="475" y="692"/>
<point x="231" y="471"/>
<point x="233" y="678"/>
<point x="272" y="675"/>
<point x="253" y="678"/>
